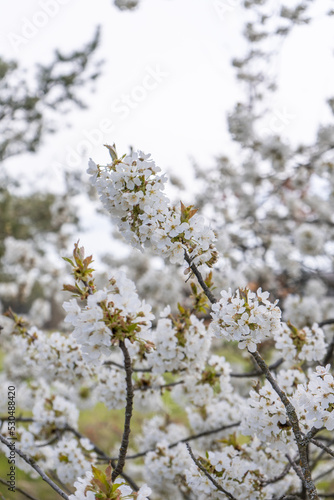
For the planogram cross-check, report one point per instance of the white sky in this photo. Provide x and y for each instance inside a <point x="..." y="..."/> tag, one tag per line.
<point x="184" y="115"/>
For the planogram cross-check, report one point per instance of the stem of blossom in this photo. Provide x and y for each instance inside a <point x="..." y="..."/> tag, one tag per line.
<point x="34" y="466"/>
<point x="295" y="467"/>
<point x="317" y="459"/>
<point x="185" y="440"/>
<point x="200" y="279"/>
<point x="213" y="481"/>
<point x="278" y="477"/>
<point x="128" y="413"/>
<point x="328" y="450"/>
<point x="27" y="495"/>
<point x="293" y="418"/>
<point x="258" y="372"/>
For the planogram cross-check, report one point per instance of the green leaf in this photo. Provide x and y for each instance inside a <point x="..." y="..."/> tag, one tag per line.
<point x="69" y="261"/>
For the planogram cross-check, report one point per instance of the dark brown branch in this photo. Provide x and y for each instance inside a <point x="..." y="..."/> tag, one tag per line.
<point x="27" y="495"/>
<point x="34" y="466"/>
<point x="113" y="363"/>
<point x="185" y="440"/>
<point x="128" y="413"/>
<point x="200" y="279"/>
<point x="101" y="453"/>
<point x="78" y="434"/>
<point x="213" y="481"/>
<point x="293" y="418"/>
<point x="296" y="468"/>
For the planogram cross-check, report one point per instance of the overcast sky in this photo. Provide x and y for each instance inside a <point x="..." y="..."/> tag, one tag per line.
<point x="167" y="81"/>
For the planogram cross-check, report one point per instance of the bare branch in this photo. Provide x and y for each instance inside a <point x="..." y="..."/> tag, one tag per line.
<point x="328" y="450"/>
<point x="34" y="466"/>
<point x="296" y="468"/>
<point x="258" y="372"/>
<point x="326" y="322"/>
<point x="185" y="440"/>
<point x="278" y="477"/>
<point x="213" y="481"/>
<point x="113" y="363"/>
<point x="323" y="474"/>
<point x="293" y="418"/>
<point x="200" y="279"/>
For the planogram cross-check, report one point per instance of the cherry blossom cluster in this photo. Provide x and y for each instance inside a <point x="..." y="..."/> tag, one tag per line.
<point x="245" y="316"/>
<point x="306" y="344"/>
<point x="112" y="314"/>
<point x="317" y="398"/>
<point x="49" y="356"/>
<point x="131" y="189"/>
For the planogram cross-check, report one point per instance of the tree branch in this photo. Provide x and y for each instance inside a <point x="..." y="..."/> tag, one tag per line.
<point x="27" y="495"/>
<point x="328" y="450"/>
<point x="293" y="418"/>
<point x="258" y="372"/>
<point x="32" y="463"/>
<point x="113" y="363"/>
<point x="128" y="413"/>
<point x="184" y="440"/>
<point x="278" y="477"/>
<point x="213" y="481"/>
<point x="200" y="279"/>
<point x="100" y="452"/>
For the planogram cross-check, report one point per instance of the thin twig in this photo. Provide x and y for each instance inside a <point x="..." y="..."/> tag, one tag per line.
<point x="278" y="477"/>
<point x="319" y="457"/>
<point x="32" y="463"/>
<point x="323" y="474"/>
<point x="17" y="419"/>
<point x="295" y="467"/>
<point x="316" y="442"/>
<point x="158" y="387"/>
<point x="128" y="413"/>
<point x="213" y="481"/>
<point x="258" y="372"/>
<point x="27" y="495"/>
<point x="143" y="370"/>
<point x="200" y="279"/>
<point x="101" y="453"/>
<point x="293" y="418"/>
<point x="326" y="322"/>
<point x="329" y="353"/>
